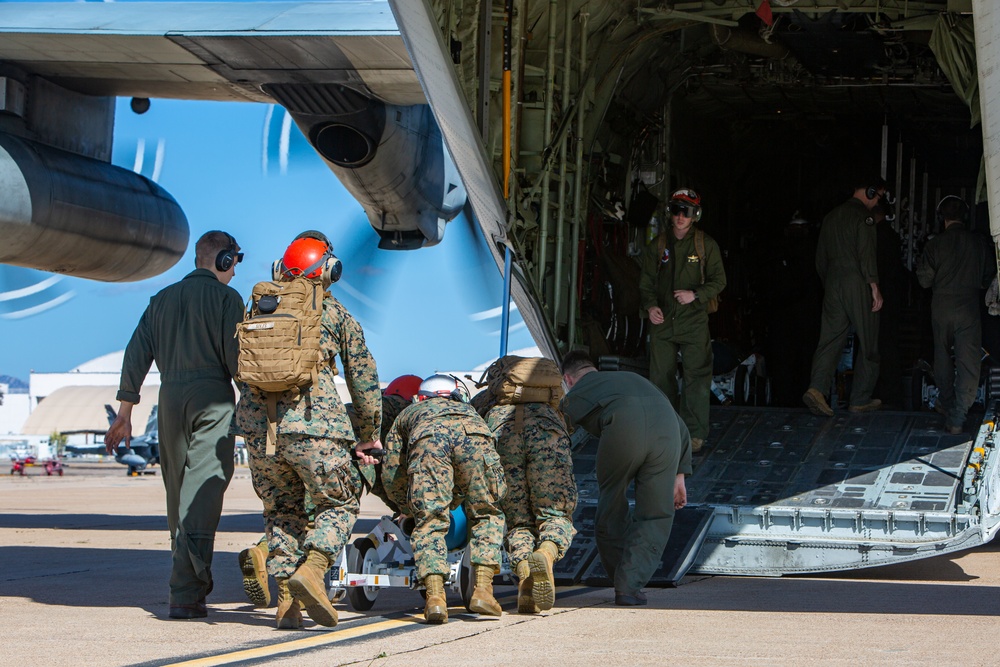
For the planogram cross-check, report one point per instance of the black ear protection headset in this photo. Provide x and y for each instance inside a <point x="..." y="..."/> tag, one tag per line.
<point x="958" y="211"/>
<point x="228" y="256"/>
<point x="871" y="192"/>
<point x="332" y="266"/>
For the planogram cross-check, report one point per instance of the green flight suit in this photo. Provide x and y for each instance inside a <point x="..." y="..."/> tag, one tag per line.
<point x="188" y="330"/>
<point x="312" y="458"/>
<point x="956" y="265"/>
<point x="846" y="263"/>
<point x="641" y="440"/>
<point x="685" y="327"/>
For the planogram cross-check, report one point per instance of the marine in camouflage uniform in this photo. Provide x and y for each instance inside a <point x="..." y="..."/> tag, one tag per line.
<point x="313" y="455"/>
<point x="253" y="560"/>
<point x="440" y="454"/>
<point x="534" y="449"/>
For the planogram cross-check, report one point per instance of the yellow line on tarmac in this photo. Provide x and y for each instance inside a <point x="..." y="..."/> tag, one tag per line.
<point x="320" y="639"/>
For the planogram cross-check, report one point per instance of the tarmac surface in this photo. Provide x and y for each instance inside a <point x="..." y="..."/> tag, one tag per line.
<point x="83" y="581"/>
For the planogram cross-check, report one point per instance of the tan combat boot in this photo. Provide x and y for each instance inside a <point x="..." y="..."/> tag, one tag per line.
<point x="289" y="614"/>
<point x="253" y="563"/>
<point x="436" y="608"/>
<point x="542" y="579"/>
<point x="525" y="597"/>
<point x="308" y="586"/>
<point x="482" y="601"/>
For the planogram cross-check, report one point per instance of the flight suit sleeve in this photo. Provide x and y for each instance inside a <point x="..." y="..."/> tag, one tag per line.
<point x="684" y="466"/>
<point x="866" y="252"/>
<point x="231" y="316"/>
<point x="137" y="361"/>
<point x="715" y="271"/>
<point x="362" y="379"/>
<point x="647" y="277"/>
<point x="575" y="408"/>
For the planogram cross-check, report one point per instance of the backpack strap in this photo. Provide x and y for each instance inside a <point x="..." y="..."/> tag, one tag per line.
<point x="272" y="422"/>
<point x="519" y="417"/>
<point x="699" y="249"/>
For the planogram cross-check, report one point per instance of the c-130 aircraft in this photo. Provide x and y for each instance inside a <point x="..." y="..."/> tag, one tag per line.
<point x="566" y="125"/>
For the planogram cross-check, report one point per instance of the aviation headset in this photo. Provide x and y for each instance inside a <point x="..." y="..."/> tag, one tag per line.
<point x="228" y="256"/>
<point x="958" y="210"/>
<point x="332" y="267"/>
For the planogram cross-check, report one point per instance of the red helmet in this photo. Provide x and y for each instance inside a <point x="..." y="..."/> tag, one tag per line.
<point x="303" y="255"/>
<point x="309" y="255"/>
<point x="685" y="201"/>
<point x="405" y="386"/>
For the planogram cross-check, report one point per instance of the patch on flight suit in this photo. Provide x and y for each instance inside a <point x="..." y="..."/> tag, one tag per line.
<point x="665" y="257"/>
<point x="869" y="221"/>
<point x="693" y="259"/>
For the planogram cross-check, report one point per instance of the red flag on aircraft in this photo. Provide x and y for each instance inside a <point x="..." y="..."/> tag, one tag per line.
<point x="764" y="12"/>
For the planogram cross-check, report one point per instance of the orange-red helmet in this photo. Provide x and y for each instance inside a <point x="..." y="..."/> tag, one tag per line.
<point x="310" y="255"/>
<point x="303" y="255"/>
<point x="405" y="386"/>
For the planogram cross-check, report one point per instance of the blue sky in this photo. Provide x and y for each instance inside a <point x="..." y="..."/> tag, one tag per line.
<point x="418" y="308"/>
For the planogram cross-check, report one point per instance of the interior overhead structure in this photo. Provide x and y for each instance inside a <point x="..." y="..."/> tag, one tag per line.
<point x="770" y="110"/>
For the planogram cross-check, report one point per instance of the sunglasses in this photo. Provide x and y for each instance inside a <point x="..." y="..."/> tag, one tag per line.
<point x="239" y="257"/>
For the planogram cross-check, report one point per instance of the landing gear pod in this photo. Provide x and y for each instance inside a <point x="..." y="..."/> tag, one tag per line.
<point x="78" y="216"/>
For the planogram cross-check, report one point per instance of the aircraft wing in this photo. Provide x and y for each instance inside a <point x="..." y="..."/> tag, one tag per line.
<point x="209" y="51"/>
<point x="313" y="59"/>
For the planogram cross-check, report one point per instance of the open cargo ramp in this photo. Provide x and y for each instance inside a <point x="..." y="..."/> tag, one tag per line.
<point x="795" y="493"/>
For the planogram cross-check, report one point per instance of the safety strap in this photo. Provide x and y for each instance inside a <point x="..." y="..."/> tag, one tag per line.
<point x="699" y="249"/>
<point x="272" y="422"/>
<point x="519" y="418"/>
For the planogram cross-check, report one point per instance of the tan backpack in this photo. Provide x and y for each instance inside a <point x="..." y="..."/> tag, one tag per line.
<point x="512" y="380"/>
<point x="280" y="341"/>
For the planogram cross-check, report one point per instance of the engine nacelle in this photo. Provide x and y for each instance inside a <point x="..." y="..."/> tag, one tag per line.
<point x="392" y="159"/>
<point x="75" y="215"/>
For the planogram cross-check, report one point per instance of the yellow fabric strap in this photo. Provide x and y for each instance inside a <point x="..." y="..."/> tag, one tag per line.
<point x="272" y="423"/>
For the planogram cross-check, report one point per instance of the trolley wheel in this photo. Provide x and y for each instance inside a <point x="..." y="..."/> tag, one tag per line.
<point x="742" y="390"/>
<point x="361" y="559"/>
<point x="465" y="578"/>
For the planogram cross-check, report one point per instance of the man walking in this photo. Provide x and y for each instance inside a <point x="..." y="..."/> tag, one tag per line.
<point x="846" y="263"/>
<point x="187" y="329"/>
<point x="300" y="439"/>
<point x="957" y="265"/>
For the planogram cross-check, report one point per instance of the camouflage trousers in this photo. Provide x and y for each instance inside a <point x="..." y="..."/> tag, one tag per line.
<point x="541" y="492"/>
<point x="305" y="467"/>
<point x="443" y="473"/>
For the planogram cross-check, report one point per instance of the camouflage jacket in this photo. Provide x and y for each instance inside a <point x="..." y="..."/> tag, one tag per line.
<point x="436" y="422"/>
<point x="318" y="411"/>
<point x="502" y="419"/>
